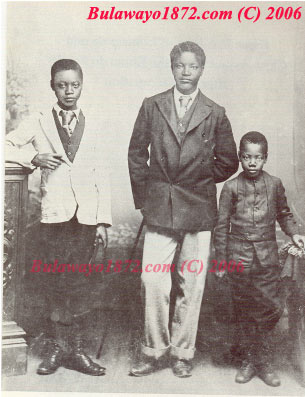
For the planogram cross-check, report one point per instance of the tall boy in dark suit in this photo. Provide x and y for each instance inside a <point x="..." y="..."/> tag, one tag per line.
<point x="75" y="210"/>
<point x="191" y="149"/>
<point x="249" y="207"/>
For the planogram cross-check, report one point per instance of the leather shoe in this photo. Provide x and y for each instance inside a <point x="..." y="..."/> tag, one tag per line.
<point x="268" y="375"/>
<point x="245" y="373"/>
<point x="79" y="361"/>
<point x="52" y="361"/>
<point x="145" y="367"/>
<point x="182" y="368"/>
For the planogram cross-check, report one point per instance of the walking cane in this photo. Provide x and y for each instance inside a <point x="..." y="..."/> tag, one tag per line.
<point x="92" y="261"/>
<point x="134" y="247"/>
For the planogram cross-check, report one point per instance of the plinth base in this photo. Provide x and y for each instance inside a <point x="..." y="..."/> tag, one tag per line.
<point x="14" y="350"/>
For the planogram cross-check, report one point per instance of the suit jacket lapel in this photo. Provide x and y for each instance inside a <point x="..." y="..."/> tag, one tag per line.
<point x="85" y="145"/>
<point x="201" y="112"/>
<point x="166" y="105"/>
<point x="49" y="129"/>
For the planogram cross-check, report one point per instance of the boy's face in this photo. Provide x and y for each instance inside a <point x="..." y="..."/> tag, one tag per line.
<point x="67" y="85"/>
<point x="187" y="70"/>
<point x="252" y="159"/>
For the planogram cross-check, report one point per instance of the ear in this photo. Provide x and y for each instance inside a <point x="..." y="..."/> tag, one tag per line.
<point x="239" y="155"/>
<point x="266" y="157"/>
<point x="52" y="85"/>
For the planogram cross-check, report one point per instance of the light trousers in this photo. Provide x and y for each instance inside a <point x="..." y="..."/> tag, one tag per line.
<point x="190" y="273"/>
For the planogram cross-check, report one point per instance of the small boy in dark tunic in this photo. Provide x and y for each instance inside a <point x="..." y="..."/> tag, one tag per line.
<point x="249" y="207"/>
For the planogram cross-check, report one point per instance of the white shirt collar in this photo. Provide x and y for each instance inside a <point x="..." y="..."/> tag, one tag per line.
<point x="58" y="109"/>
<point x="178" y="94"/>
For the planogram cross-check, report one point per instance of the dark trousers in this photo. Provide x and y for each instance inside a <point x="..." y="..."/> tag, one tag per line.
<point x="257" y="306"/>
<point x="67" y="293"/>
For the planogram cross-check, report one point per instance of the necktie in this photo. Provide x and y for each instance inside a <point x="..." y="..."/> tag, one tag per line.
<point x="184" y="101"/>
<point x="67" y="116"/>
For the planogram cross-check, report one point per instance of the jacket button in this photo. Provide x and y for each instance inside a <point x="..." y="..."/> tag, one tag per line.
<point x="69" y="153"/>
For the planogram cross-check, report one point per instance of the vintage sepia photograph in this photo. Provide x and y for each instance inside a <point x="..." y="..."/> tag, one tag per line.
<point x="154" y="186"/>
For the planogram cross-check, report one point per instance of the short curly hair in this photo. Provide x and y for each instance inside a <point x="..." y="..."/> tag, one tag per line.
<point x="254" y="137"/>
<point x="65" y="64"/>
<point x="187" y="46"/>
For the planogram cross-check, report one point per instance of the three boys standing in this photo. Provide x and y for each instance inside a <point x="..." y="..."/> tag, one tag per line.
<point x="191" y="149"/>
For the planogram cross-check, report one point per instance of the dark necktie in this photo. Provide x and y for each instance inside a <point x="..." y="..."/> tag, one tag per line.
<point x="67" y="116"/>
<point x="184" y="101"/>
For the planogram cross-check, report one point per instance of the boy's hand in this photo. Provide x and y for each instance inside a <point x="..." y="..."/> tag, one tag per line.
<point x="102" y="235"/>
<point x="299" y="240"/>
<point x="47" y="160"/>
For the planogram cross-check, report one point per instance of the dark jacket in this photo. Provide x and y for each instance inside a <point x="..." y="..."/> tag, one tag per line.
<point x="177" y="189"/>
<point x="248" y="211"/>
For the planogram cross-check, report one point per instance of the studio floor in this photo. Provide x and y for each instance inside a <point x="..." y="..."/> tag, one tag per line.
<point x="114" y="335"/>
